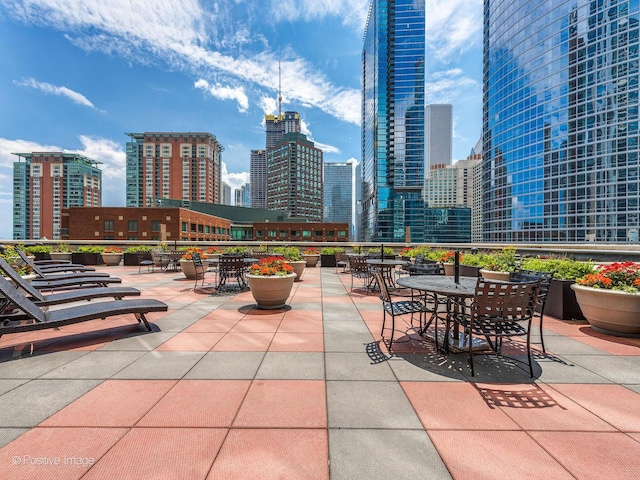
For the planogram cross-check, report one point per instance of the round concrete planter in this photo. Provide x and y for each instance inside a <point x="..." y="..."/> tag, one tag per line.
<point x="271" y="292"/>
<point x="610" y="311"/>
<point x="111" y="259"/>
<point x="61" y="256"/>
<point x="492" y="275"/>
<point x="189" y="269"/>
<point x="298" y="268"/>
<point x="312" y="260"/>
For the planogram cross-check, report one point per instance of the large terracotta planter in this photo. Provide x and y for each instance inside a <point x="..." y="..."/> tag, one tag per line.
<point x="189" y="270"/>
<point x="610" y="311"/>
<point x="271" y="292"/>
<point x="111" y="259"/>
<point x="493" y="275"/>
<point x="312" y="260"/>
<point x="298" y="268"/>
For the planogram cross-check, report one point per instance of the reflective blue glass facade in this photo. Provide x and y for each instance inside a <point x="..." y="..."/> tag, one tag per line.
<point x="561" y="121"/>
<point x="393" y="76"/>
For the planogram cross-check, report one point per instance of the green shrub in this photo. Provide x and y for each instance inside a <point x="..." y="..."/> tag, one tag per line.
<point x="565" y="268"/>
<point x="62" y="248"/>
<point x="138" y="249"/>
<point x="33" y="249"/>
<point x="90" y="249"/>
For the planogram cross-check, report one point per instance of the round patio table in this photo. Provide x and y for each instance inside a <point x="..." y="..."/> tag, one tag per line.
<point x="457" y="294"/>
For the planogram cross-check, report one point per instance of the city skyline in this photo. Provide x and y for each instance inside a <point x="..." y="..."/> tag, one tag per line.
<point x="78" y="76"/>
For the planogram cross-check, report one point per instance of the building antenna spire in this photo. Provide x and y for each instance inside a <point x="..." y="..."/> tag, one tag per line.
<point x="279" y="91"/>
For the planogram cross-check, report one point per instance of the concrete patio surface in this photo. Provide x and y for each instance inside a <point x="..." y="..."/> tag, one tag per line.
<point x="222" y="390"/>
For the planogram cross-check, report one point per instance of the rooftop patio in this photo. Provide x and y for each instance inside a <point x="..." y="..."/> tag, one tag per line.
<point x="220" y="389"/>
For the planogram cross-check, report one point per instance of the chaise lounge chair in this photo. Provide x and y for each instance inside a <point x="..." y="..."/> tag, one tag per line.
<point x="37" y="319"/>
<point x="69" y="296"/>
<point x="63" y="272"/>
<point x="65" y="283"/>
<point x="52" y="266"/>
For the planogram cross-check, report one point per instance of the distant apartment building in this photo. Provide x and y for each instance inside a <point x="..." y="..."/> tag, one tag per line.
<point x="294" y="176"/>
<point x="153" y="224"/>
<point x="451" y="185"/>
<point x="438" y="125"/>
<point x="450" y="201"/>
<point x="178" y="165"/>
<point x="258" y="179"/>
<point x="279" y="125"/>
<point x="44" y="183"/>
<point x="243" y="196"/>
<point x="300" y="232"/>
<point x="341" y="182"/>
<point x="226" y="194"/>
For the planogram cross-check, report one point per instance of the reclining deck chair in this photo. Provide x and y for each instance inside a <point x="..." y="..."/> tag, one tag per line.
<point x="62" y="273"/>
<point x="37" y="319"/>
<point x="64" y="283"/>
<point x="51" y="266"/>
<point x="64" y="297"/>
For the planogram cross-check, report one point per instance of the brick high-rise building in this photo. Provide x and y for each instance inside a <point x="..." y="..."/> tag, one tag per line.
<point x="177" y="165"/>
<point x="46" y="182"/>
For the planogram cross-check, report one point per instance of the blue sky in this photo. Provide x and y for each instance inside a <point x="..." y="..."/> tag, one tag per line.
<point x="76" y="75"/>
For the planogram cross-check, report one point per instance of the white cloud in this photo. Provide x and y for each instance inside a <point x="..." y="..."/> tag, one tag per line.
<point x="327" y="148"/>
<point x="235" y="180"/>
<point x="447" y="85"/>
<point x="352" y="12"/>
<point x="131" y="29"/>
<point x="56" y="90"/>
<point x="225" y="93"/>
<point x="453" y="26"/>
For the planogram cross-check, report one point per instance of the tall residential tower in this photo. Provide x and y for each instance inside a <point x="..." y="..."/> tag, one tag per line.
<point x="46" y="182"/>
<point x="177" y="165"/>
<point x="393" y="121"/>
<point x="560" y="120"/>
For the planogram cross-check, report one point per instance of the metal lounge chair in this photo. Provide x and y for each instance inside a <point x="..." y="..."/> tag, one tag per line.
<point x="36" y="319"/>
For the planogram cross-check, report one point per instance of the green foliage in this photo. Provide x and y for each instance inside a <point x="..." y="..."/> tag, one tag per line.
<point x="33" y="249"/>
<point x="9" y="253"/>
<point x="502" y="261"/>
<point x="139" y="248"/>
<point x="292" y="254"/>
<point x="63" y="248"/>
<point x="331" y="250"/>
<point x="566" y="268"/>
<point x="90" y="249"/>
<point x="238" y="250"/>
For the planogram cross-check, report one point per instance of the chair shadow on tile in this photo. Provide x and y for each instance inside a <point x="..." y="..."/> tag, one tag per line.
<point x="530" y="396"/>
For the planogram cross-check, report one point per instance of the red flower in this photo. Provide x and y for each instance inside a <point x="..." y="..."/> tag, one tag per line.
<point x="270" y="266"/>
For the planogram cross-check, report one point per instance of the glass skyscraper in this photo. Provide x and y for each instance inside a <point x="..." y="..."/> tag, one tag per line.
<point x="393" y="121"/>
<point x="560" y="121"/>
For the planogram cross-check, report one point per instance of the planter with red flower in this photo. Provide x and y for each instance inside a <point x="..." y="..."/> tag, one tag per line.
<point x="311" y="255"/>
<point x="111" y="256"/>
<point x="187" y="265"/>
<point x="610" y="298"/>
<point x="270" y="282"/>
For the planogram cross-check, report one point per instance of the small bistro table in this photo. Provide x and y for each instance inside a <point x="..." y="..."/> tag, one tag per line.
<point x="456" y="293"/>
